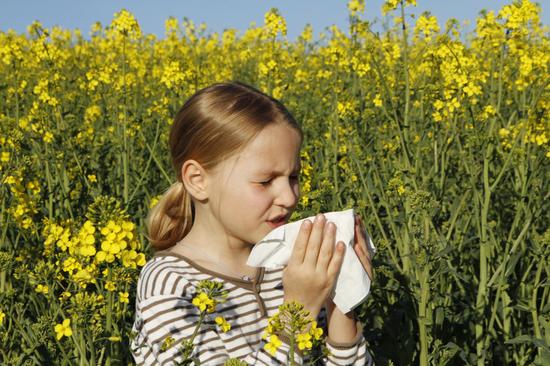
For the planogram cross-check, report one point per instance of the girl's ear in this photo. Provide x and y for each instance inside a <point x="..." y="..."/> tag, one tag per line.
<point x="193" y="177"/>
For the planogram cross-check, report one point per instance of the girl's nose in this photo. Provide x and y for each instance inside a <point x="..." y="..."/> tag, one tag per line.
<point x="288" y="196"/>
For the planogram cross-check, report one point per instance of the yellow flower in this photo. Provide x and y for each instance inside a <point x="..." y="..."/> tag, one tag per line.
<point x="315" y="331"/>
<point x="125" y="23"/>
<point x="2" y="316"/>
<point x="64" y="329"/>
<point x="48" y="137"/>
<point x="110" y="286"/>
<point x="42" y="289"/>
<point x="377" y="101"/>
<point x="503" y="132"/>
<point x="401" y="189"/>
<point x="223" y="324"/>
<point x="203" y="302"/>
<point x="167" y="343"/>
<point x="273" y="345"/>
<point x="274" y="23"/>
<point x="356" y="6"/>
<point x="304" y="341"/>
<point x="389" y="5"/>
<point x="114" y="338"/>
<point x="123" y="297"/>
<point x="154" y="201"/>
<point x="83" y="277"/>
<point x="92" y="178"/>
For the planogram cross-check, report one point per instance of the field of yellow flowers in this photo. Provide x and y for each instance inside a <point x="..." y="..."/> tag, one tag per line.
<point x="440" y="139"/>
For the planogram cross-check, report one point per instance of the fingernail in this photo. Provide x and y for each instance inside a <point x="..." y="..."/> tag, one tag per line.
<point x="307" y="224"/>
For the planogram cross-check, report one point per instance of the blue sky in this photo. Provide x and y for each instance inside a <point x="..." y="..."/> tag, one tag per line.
<point x="222" y="14"/>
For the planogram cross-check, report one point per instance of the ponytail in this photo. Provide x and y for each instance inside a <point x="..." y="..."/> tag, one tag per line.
<point x="171" y="218"/>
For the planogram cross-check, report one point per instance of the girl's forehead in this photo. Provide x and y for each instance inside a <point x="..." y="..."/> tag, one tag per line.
<point x="273" y="149"/>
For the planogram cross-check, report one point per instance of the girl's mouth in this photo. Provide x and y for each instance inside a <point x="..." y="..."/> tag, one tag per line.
<point x="277" y="222"/>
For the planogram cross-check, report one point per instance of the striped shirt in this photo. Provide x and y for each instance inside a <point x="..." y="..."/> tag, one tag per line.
<point x="164" y="308"/>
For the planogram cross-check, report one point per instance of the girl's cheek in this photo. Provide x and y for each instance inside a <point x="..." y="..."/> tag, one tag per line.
<point x="260" y="194"/>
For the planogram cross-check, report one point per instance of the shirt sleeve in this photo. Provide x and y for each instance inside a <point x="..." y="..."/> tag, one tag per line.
<point x="350" y="353"/>
<point x="175" y="318"/>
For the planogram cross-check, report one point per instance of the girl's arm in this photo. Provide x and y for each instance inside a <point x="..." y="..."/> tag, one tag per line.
<point x="345" y="339"/>
<point x="345" y="334"/>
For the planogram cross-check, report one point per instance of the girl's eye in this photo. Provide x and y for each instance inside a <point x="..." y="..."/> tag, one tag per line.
<point x="265" y="182"/>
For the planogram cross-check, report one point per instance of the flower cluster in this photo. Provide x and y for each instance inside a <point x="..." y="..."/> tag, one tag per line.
<point x="208" y="295"/>
<point x="292" y="324"/>
<point x="126" y="24"/>
<point x="274" y="23"/>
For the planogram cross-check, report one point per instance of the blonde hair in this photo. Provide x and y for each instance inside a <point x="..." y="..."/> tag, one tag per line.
<point x="215" y="123"/>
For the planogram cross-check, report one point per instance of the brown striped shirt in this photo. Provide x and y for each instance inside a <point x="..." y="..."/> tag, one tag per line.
<point x="164" y="308"/>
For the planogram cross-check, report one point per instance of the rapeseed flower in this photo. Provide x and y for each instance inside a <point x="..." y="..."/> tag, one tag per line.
<point x="304" y="341"/>
<point x="316" y="332"/>
<point x="204" y="303"/>
<point x="123" y="297"/>
<point x="42" y="289"/>
<point x="223" y="324"/>
<point x="167" y="343"/>
<point x="356" y="6"/>
<point x="126" y="24"/>
<point x="64" y="329"/>
<point x="274" y="24"/>
<point x="273" y="344"/>
<point x="110" y="286"/>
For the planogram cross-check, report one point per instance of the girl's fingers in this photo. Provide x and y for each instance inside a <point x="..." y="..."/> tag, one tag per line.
<point x="327" y="247"/>
<point x="360" y="246"/>
<point x="300" y="245"/>
<point x="315" y="239"/>
<point x="336" y="261"/>
<point x="365" y="260"/>
<point x="360" y="235"/>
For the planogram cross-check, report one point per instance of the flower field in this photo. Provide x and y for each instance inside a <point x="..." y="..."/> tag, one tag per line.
<point x="440" y="139"/>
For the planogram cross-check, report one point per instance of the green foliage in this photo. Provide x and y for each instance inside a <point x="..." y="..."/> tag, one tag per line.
<point x="441" y="143"/>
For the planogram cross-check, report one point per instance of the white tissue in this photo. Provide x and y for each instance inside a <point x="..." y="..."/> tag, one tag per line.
<point x="352" y="285"/>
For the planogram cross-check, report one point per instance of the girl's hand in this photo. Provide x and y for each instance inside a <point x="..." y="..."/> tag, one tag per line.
<point x="360" y="246"/>
<point x="313" y="266"/>
<point x="342" y="327"/>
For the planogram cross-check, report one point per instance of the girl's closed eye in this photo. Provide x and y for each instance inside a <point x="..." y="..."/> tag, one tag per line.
<point x="266" y="182"/>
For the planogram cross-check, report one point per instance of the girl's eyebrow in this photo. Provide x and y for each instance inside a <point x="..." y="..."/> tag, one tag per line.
<point x="296" y="170"/>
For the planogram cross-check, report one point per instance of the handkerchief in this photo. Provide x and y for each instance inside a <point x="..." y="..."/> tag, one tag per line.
<point x="352" y="285"/>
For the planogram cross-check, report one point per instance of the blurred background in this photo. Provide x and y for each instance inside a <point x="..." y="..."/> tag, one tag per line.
<point x="221" y="14"/>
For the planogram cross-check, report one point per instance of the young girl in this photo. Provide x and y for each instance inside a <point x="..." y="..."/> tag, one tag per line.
<point x="236" y="153"/>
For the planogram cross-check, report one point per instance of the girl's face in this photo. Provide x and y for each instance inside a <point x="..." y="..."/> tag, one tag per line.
<point x="258" y="189"/>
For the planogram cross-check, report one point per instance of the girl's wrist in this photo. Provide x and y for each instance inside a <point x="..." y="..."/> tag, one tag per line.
<point x="342" y="327"/>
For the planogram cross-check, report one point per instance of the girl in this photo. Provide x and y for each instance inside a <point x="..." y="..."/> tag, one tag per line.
<point x="236" y="153"/>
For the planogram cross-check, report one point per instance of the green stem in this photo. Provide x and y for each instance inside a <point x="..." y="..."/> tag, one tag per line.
<point x="124" y="137"/>
<point x="423" y="318"/>
<point x="483" y="258"/>
<point x="534" y="312"/>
